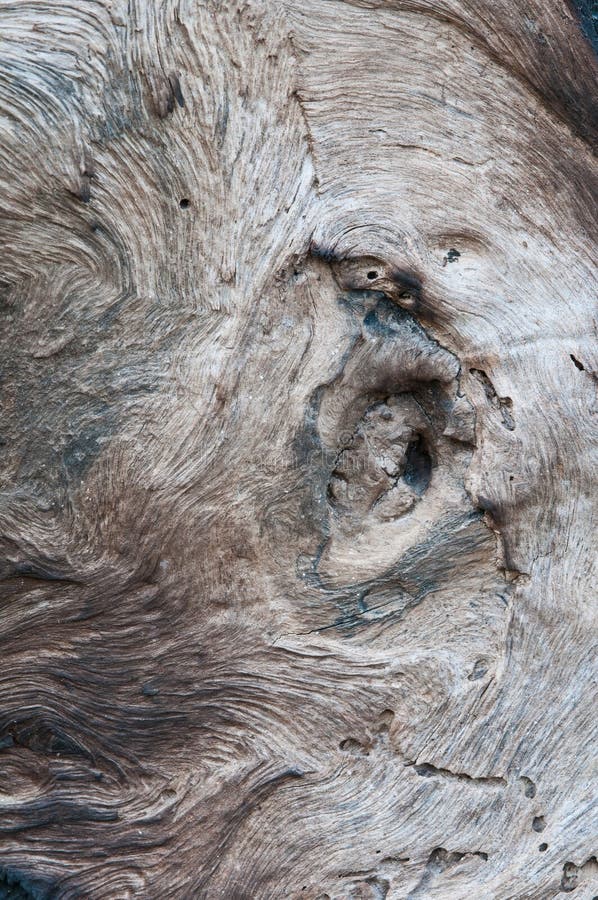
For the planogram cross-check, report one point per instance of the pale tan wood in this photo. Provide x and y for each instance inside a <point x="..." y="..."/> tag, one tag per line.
<point x="298" y="373"/>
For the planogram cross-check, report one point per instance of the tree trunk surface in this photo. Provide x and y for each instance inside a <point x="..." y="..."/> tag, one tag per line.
<point x="298" y="563"/>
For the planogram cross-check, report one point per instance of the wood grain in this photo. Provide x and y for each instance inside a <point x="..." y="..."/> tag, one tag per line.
<point x="298" y="460"/>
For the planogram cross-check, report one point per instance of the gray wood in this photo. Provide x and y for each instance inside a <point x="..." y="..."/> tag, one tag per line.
<point x="298" y="371"/>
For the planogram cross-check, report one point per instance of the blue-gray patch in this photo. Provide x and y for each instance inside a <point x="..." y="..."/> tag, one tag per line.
<point x="16" y="885"/>
<point x="587" y="13"/>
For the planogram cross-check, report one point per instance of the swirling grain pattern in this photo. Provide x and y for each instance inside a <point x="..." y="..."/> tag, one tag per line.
<point x="298" y="460"/>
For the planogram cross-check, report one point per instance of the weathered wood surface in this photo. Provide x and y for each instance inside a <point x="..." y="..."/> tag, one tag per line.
<point x="297" y="467"/>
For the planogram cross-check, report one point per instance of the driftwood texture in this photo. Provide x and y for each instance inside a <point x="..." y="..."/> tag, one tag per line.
<point x="296" y="450"/>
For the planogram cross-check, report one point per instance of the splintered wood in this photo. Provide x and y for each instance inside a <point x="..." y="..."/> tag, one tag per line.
<point x="298" y="576"/>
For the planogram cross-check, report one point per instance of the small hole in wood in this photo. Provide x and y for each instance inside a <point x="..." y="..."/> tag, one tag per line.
<point x="529" y="788"/>
<point x="418" y="465"/>
<point x="184" y="203"/>
<point x="543" y="847"/>
<point x="372" y="275"/>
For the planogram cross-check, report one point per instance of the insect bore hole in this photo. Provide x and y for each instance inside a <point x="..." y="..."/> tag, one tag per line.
<point x="184" y="203"/>
<point x="371" y="275"/>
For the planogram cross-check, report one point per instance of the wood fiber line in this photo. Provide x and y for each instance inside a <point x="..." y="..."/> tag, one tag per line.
<point x="297" y="582"/>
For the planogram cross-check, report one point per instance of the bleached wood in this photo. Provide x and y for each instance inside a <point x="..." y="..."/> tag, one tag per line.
<point x="298" y="373"/>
